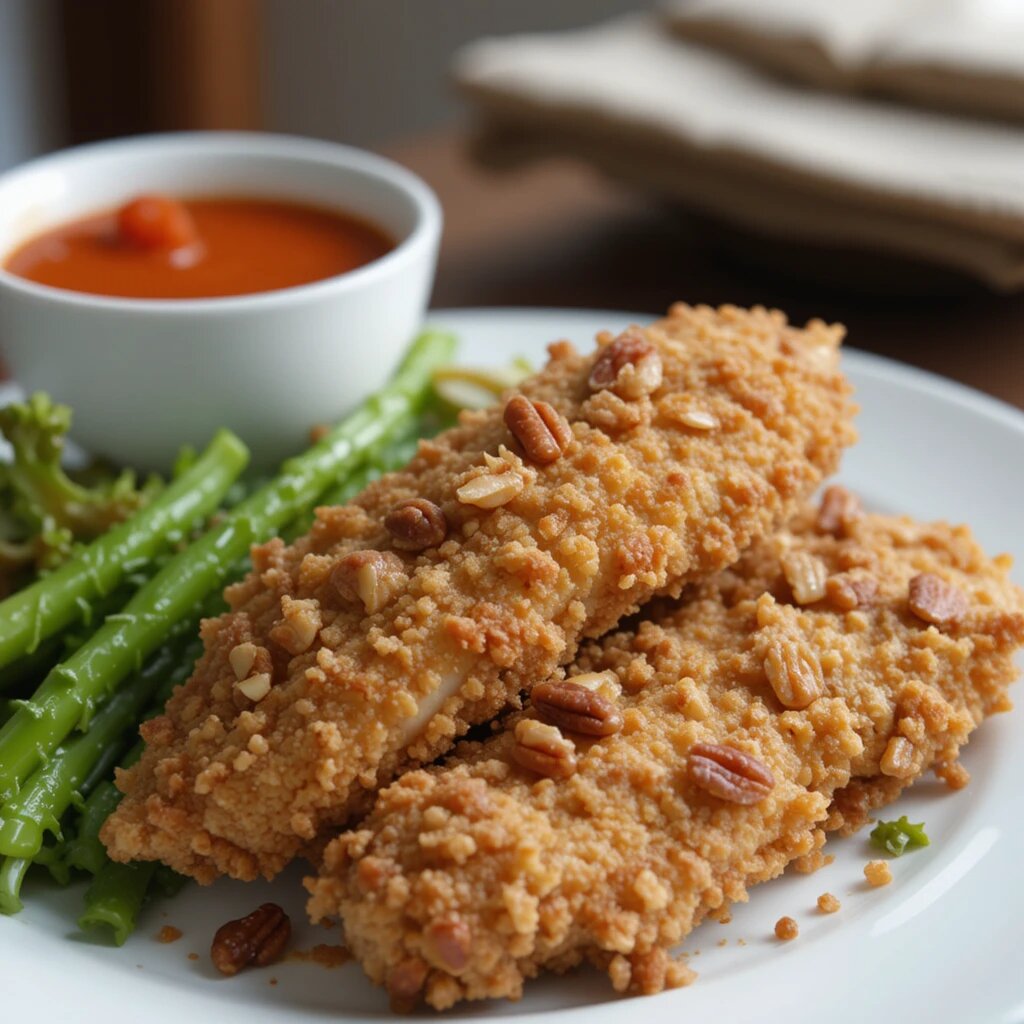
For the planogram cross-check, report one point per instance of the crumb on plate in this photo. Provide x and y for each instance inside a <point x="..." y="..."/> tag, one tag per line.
<point x="877" y="873"/>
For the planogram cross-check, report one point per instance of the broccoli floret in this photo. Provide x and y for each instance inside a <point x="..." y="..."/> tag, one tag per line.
<point x="44" y="509"/>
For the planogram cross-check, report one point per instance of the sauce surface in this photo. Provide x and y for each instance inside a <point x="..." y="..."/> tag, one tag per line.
<point x="160" y="248"/>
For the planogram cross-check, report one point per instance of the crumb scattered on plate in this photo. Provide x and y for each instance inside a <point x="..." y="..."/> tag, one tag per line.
<point x="877" y="873"/>
<point x="786" y="929"/>
<point x="828" y="904"/>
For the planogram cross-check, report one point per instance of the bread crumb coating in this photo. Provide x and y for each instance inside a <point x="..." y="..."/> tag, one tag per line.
<point x="359" y="651"/>
<point x="475" y="876"/>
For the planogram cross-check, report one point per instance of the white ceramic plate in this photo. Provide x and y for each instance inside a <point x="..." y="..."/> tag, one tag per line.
<point x="941" y="943"/>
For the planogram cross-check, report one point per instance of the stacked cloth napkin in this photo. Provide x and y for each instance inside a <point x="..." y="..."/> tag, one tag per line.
<point x="817" y="155"/>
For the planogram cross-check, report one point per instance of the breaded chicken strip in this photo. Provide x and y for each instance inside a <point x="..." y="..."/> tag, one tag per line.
<point x="612" y="816"/>
<point x="432" y="600"/>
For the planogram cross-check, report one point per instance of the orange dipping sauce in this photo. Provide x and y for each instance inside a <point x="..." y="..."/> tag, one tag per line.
<point x="160" y="248"/>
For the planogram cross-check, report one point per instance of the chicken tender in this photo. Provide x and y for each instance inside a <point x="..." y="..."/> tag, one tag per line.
<point x="430" y="602"/>
<point x="690" y="759"/>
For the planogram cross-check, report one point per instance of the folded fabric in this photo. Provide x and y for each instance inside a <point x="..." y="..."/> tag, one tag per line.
<point x="755" y="151"/>
<point x="964" y="55"/>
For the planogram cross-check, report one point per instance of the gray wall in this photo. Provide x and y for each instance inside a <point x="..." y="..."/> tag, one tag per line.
<point x="367" y="71"/>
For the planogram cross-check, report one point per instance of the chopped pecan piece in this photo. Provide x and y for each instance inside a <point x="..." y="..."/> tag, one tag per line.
<point x="241" y="659"/>
<point x="405" y="983"/>
<point x="698" y="419"/>
<point x="576" y="708"/>
<point x="299" y="624"/>
<point x="543" y="749"/>
<point x="794" y="672"/>
<point x="630" y="366"/>
<point x="416" y="524"/>
<point x="541" y="429"/>
<point x="729" y="774"/>
<point x="447" y="945"/>
<point x="898" y="759"/>
<point x="490" y="490"/>
<point x="372" y="577"/>
<point x="936" y="601"/>
<point x="847" y="591"/>
<point x="259" y="938"/>
<point x="605" y="683"/>
<point x="256" y="687"/>
<point x="839" y="510"/>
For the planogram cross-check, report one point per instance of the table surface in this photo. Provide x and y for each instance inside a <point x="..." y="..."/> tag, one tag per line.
<point x="557" y="234"/>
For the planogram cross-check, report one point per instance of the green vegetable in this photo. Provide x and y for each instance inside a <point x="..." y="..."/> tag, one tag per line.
<point x="389" y="457"/>
<point x="47" y="794"/>
<point x="115" y="896"/>
<point x="54" y="602"/>
<point x="470" y="387"/>
<point x="54" y="510"/>
<point x="12" y="874"/>
<point x="73" y="690"/>
<point x="83" y="849"/>
<point x="29" y="670"/>
<point x="897" y="836"/>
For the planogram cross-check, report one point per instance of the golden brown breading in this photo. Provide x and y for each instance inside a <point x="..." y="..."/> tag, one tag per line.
<point x="358" y="664"/>
<point x="467" y="879"/>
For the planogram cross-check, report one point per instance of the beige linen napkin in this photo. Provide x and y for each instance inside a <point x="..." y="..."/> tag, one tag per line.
<point x="755" y="151"/>
<point x="963" y="55"/>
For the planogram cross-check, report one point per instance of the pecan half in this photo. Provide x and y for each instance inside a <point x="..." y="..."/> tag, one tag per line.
<point x="447" y="945"/>
<point x="416" y="524"/>
<point x="839" y="510"/>
<point x="630" y="366"/>
<point x="806" y="575"/>
<point x="936" y="601"/>
<point x="371" y="577"/>
<point x="729" y="774"/>
<point x="259" y="938"/>
<point x="541" y="429"/>
<point x="794" y="672"/>
<point x="576" y="708"/>
<point x="543" y="749"/>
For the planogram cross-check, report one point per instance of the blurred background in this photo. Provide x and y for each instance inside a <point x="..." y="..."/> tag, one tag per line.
<point x="620" y="195"/>
<point x="365" y="72"/>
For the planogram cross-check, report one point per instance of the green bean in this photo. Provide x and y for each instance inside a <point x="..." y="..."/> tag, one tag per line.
<point x="50" y="790"/>
<point x="12" y="874"/>
<point x="115" y="896"/>
<point x="55" y="601"/>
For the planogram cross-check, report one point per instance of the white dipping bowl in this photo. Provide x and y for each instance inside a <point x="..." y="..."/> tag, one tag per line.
<point x="146" y="376"/>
